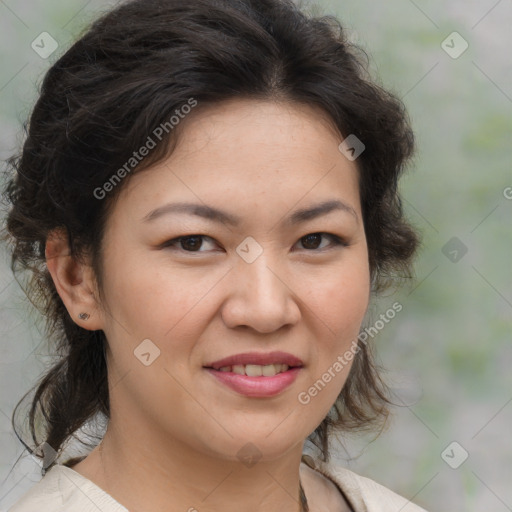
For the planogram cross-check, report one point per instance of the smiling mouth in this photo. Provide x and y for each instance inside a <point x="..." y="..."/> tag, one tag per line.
<point x="255" y="370"/>
<point x="256" y="381"/>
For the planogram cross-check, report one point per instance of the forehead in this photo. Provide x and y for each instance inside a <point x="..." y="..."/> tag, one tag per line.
<point x="246" y="149"/>
<point x="279" y="127"/>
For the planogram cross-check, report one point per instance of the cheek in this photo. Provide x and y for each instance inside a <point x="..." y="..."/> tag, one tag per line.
<point x="347" y="299"/>
<point x="168" y="305"/>
<point x="137" y="290"/>
<point x="340" y="301"/>
<point x="339" y="306"/>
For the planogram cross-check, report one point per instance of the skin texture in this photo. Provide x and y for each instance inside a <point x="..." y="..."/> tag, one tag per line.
<point x="175" y="431"/>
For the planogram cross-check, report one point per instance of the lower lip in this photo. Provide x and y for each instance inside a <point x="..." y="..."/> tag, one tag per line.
<point x="257" y="386"/>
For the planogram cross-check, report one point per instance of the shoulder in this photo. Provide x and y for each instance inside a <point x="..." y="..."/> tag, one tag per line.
<point x="364" y="494"/>
<point x="65" y="490"/>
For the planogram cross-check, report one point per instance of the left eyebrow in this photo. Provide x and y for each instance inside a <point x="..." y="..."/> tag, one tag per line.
<point x="318" y="210"/>
<point x="220" y="216"/>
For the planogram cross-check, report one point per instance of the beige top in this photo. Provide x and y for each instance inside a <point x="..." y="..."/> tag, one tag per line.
<point x="64" y="490"/>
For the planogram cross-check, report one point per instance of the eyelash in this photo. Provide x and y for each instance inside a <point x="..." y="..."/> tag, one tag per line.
<point x="336" y="240"/>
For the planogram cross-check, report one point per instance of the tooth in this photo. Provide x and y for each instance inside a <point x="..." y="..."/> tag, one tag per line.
<point x="253" y="370"/>
<point x="239" y="369"/>
<point x="256" y="370"/>
<point x="270" y="370"/>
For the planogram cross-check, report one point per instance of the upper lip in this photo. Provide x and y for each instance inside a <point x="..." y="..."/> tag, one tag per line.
<point x="256" y="358"/>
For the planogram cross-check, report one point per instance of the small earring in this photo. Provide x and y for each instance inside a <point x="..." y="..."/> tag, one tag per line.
<point x="84" y="316"/>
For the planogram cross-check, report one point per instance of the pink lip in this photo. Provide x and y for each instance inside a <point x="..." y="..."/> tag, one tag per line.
<point x="256" y="358"/>
<point x="256" y="386"/>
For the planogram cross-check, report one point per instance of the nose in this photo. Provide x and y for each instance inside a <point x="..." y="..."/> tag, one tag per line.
<point x="260" y="297"/>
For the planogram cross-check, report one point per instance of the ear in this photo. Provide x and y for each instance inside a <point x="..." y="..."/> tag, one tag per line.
<point x="75" y="281"/>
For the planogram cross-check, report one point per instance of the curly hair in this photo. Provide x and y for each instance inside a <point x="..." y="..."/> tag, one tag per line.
<point x="130" y="71"/>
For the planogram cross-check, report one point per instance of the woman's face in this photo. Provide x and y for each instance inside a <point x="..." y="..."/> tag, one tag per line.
<point x="257" y="285"/>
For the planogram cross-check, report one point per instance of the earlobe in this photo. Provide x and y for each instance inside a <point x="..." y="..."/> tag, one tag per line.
<point x="74" y="281"/>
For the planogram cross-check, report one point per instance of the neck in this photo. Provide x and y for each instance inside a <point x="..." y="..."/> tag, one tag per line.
<point x="166" y="476"/>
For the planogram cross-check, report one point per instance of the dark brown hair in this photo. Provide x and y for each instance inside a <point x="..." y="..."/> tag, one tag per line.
<point x="127" y="75"/>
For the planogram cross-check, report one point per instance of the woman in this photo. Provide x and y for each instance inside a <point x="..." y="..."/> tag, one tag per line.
<point x="207" y="198"/>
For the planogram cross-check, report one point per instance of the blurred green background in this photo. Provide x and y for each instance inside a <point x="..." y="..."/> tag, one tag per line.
<point x="448" y="352"/>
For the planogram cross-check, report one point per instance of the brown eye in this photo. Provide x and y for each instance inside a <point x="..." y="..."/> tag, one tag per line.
<point x="313" y="240"/>
<point x="189" y="243"/>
